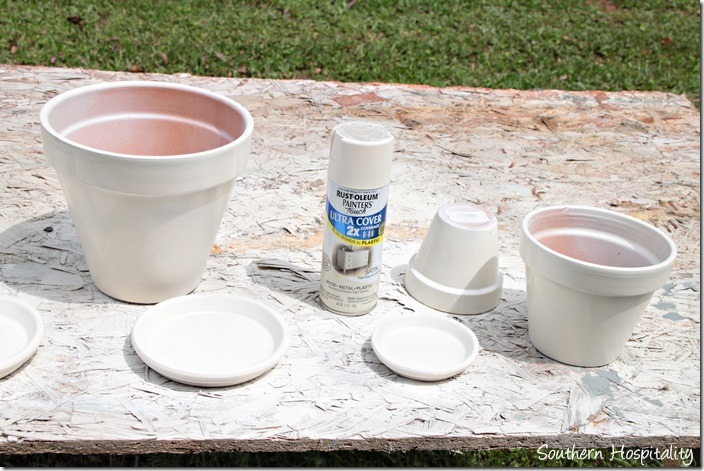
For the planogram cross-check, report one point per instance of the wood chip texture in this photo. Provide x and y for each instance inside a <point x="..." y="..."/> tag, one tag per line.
<point x="87" y="391"/>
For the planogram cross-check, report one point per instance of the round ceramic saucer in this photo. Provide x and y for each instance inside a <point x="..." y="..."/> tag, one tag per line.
<point x="21" y="332"/>
<point x="425" y="347"/>
<point x="210" y="339"/>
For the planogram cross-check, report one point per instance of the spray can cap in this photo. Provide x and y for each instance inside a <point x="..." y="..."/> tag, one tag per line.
<point x="360" y="155"/>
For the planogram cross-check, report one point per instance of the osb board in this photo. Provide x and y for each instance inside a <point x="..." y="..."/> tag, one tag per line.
<point x="86" y="391"/>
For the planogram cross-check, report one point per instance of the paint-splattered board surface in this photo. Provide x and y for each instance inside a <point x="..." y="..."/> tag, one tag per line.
<point x="86" y="391"/>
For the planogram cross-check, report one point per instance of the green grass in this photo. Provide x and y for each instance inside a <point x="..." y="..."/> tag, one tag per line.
<point x="573" y="45"/>
<point x="532" y="44"/>
<point x="507" y="458"/>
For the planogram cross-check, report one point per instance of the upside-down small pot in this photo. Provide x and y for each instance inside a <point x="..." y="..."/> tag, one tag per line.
<point x="456" y="269"/>
<point x="147" y="169"/>
<point x="590" y="274"/>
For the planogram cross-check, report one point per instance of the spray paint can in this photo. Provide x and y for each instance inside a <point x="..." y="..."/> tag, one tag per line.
<point x="359" y="171"/>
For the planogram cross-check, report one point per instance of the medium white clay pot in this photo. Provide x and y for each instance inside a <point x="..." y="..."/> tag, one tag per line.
<point x="456" y="269"/>
<point x="590" y="273"/>
<point x="147" y="169"/>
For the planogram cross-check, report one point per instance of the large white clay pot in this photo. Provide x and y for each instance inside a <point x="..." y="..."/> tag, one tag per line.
<point x="590" y="273"/>
<point x="147" y="169"/>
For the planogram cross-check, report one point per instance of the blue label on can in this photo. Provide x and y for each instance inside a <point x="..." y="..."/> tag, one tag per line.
<point x="362" y="230"/>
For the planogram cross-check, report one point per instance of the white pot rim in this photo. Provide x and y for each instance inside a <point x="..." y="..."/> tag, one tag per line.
<point x="48" y="108"/>
<point x="614" y="216"/>
<point x="449" y="299"/>
<point x="589" y="276"/>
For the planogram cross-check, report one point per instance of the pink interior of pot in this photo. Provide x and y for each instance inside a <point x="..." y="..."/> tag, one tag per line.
<point x="147" y="121"/>
<point x="601" y="240"/>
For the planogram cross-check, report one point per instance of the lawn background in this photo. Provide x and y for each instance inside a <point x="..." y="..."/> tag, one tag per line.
<point x="532" y="44"/>
<point x="571" y="45"/>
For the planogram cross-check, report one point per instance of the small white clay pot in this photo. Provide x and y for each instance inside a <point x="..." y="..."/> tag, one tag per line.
<point x="147" y="169"/>
<point x="456" y="268"/>
<point x="590" y="273"/>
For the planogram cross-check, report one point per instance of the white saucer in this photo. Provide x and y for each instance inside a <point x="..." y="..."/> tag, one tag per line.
<point x="210" y="339"/>
<point x="425" y="347"/>
<point x="21" y="332"/>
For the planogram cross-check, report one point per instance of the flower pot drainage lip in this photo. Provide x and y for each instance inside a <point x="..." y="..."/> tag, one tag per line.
<point x="210" y="340"/>
<point x="21" y="332"/>
<point x="425" y="347"/>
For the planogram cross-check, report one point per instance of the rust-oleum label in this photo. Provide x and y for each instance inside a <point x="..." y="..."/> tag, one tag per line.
<point x="352" y="245"/>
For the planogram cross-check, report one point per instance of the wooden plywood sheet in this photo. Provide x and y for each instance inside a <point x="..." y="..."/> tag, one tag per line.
<point x="86" y="391"/>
